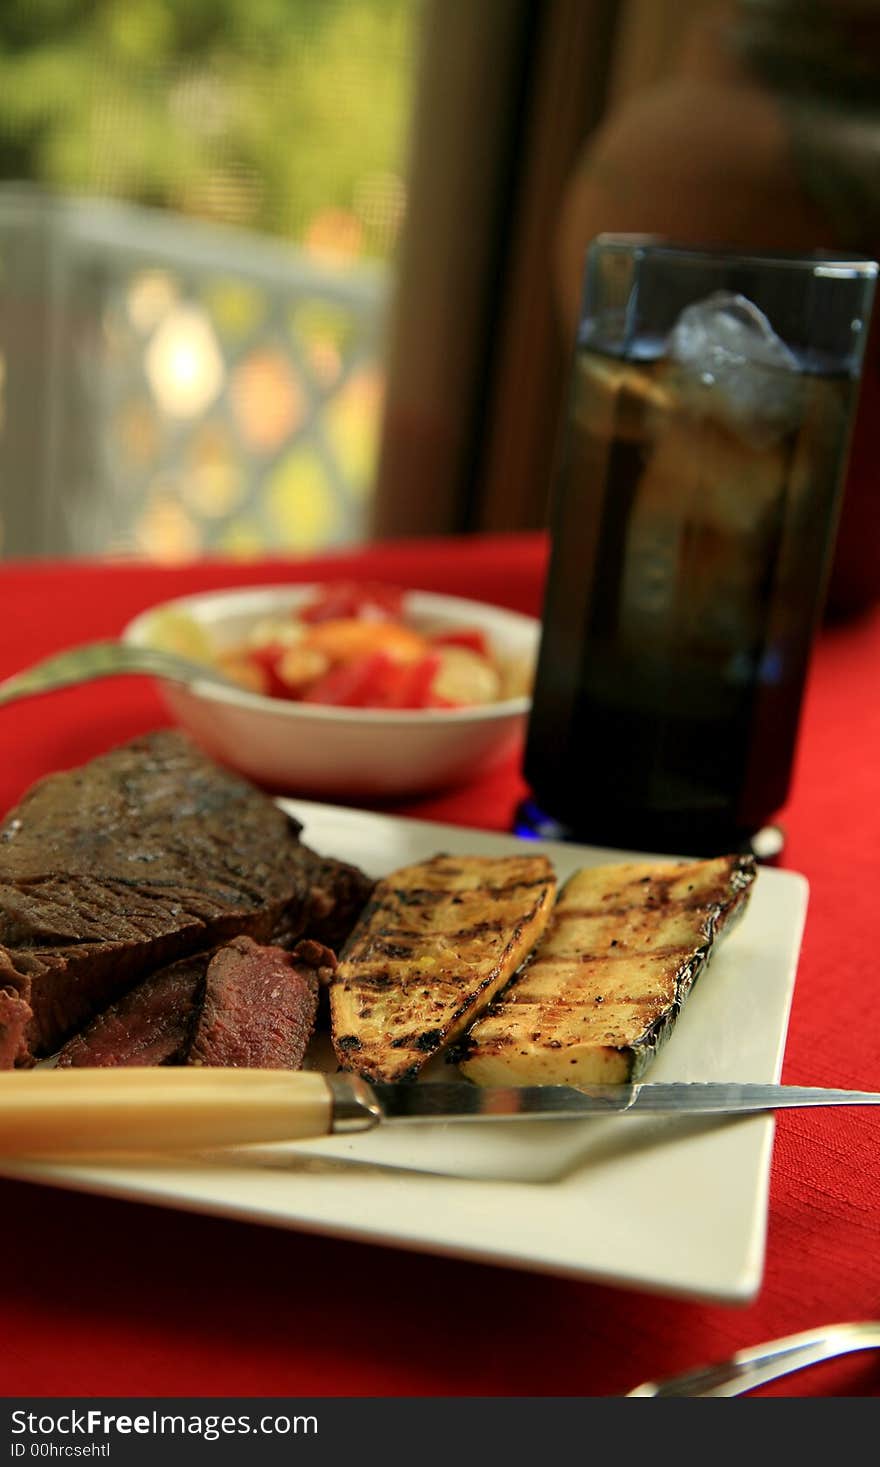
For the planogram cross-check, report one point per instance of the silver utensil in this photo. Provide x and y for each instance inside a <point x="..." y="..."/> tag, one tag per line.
<point x="463" y="1101"/>
<point x="67" y="1111"/>
<point x="107" y="659"/>
<point x="750" y="1368"/>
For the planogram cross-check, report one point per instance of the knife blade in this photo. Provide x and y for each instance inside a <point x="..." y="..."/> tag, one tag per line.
<point x="76" y="1112"/>
<point x="465" y="1102"/>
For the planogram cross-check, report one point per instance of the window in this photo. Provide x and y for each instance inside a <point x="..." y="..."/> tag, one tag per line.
<point x="278" y="276"/>
<point x="199" y="212"/>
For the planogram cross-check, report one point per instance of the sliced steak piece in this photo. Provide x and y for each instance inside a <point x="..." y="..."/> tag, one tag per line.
<point x="144" y="855"/>
<point x="259" y="1007"/>
<point x="15" y="1015"/>
<point x="338" y="893"/>
<point x="150" y="1025"/>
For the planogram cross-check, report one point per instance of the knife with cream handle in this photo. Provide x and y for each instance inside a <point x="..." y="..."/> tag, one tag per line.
<point x="67" y="1112"/>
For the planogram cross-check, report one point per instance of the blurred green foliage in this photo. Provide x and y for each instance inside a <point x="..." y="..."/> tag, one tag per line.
<point x="263" y="113"/>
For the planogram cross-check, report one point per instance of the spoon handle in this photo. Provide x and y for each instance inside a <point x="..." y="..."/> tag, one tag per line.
<point x="104" y="659"/>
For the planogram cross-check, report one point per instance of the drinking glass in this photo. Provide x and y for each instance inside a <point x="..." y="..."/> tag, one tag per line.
<point x="693" y="522"/>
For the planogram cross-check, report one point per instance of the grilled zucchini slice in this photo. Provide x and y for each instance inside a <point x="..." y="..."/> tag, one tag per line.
<point x="433" y="946"/>
<point x="622" y="951"/>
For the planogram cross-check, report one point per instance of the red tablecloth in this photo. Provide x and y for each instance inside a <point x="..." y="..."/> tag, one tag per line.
<point x="108" y="1297"/>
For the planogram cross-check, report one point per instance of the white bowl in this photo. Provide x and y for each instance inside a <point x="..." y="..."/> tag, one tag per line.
<point x="309" y="749"/>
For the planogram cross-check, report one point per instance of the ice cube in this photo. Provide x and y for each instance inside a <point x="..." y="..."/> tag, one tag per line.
<point x="735" y="368"/>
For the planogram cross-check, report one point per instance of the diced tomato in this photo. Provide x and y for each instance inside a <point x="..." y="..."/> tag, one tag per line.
<point x="363" y="600"/>
<point x="419" y="681"/>
<point x="266" y="658"/>
<point x="471" y="637"/>
<point x="406" y="685"/>
<point x="349" y="684"/>
<point x="377" y="681"/>
<point x="386" y="684"/>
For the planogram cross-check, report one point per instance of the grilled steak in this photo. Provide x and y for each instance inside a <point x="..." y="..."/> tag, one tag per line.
<point x="146" y="854"/>
<point x="622" y="951"/>
<point x="15" y="1016"/>
<point x="150" y="1025"/>
<point x="338" y="894"/>
<point x="432" y="948"/>
<point x="260" y="1005"/>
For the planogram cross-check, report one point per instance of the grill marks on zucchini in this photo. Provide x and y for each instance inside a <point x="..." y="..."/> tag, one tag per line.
<point x="437" y="942"/>
<point x="621" y="953"/>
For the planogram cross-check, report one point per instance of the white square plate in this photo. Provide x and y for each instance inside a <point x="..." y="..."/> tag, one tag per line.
<point x="674" y="1206"/>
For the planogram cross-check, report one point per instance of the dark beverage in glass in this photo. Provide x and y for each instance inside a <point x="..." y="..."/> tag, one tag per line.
<point x="693" y="523"/>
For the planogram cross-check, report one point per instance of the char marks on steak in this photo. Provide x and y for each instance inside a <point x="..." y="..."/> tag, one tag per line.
<point x="260" y="1005"/>
<point x="150" y="1025"/>
<point x="144" y="855"/>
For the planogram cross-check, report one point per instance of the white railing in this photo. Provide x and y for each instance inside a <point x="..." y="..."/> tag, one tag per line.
<point x="172" y="387"/>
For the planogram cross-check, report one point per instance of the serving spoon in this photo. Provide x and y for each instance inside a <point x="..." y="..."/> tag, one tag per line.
<point x="95" y="660"/>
